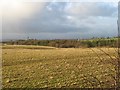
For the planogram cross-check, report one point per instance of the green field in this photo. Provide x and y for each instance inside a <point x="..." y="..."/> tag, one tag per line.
<point x="40" y="67"/>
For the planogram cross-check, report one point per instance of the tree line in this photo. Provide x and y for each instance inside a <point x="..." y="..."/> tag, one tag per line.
<point x="69" y="43"/>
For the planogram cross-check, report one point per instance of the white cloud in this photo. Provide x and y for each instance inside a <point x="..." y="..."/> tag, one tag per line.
<point x="91" y="9"/>
<point x="16" y="10"/>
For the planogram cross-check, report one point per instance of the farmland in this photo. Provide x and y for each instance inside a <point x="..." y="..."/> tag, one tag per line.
<point x="42" y="67"/>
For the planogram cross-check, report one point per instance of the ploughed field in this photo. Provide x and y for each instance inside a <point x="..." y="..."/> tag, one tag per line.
<point x="42" y="67"/>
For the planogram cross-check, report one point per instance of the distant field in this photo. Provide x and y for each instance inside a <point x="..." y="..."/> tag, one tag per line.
<point x="40" y="67"/>
<point x="25" y="47"/>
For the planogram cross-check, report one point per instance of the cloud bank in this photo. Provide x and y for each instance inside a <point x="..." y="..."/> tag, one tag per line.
<point x="63" y="20"/>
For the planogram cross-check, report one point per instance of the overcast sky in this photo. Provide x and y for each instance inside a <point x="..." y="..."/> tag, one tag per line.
<point x="55" y="20"/>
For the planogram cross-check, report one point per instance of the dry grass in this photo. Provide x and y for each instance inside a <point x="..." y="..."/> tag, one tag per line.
<point x="80" y="68"/>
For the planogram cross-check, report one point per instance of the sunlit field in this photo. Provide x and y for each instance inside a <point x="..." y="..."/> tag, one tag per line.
<point x="42" y="67"/>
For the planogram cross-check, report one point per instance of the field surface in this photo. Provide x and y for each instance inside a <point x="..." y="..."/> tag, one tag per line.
<point x="41" y="67"/>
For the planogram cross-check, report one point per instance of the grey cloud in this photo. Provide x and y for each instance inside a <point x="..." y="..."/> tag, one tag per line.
<point x="56" y="23"/>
